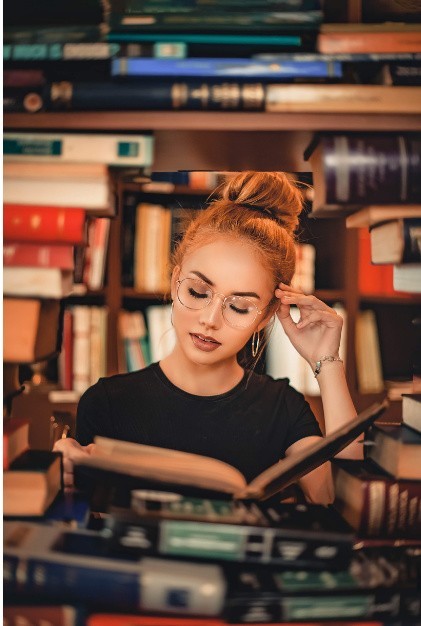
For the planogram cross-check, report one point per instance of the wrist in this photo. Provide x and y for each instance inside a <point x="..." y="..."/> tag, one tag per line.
<point x="323" y="360"/>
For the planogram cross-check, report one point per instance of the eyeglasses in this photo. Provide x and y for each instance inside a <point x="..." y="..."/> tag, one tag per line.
<point x="237" y="311"/>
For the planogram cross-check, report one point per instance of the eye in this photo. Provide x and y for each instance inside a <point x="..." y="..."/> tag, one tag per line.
<point x="242" y="307"/>
<point x="197" y="294"/>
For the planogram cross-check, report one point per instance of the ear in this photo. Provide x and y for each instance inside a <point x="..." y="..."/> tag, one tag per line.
<point x="174" y="277"/>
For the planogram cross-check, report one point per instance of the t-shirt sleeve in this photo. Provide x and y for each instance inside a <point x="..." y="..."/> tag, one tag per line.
<point x="93" y="414"/>
<point x="301" y="419"/>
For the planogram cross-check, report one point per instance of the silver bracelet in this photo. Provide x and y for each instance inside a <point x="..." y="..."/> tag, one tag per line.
<point x="325" y="358"/>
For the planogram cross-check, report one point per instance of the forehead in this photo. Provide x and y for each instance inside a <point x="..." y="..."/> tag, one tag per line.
<point x="231" y="264"/>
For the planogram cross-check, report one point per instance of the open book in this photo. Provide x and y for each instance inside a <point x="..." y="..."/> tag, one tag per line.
<point x="184" y="468"/>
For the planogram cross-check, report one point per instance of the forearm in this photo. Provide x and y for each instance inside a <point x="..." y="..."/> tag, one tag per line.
<point x="338" y="406"/>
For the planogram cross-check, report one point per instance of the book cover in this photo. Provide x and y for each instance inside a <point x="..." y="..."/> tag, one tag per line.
<point x="31" y="483"/>
<point x="175" y="467"/>
<point x="30" y="329"/>
<point x="397" y="450"/>
<point x="366" y="41"/>
<point x="43" y="224"/>
<point x="407" y="277"/>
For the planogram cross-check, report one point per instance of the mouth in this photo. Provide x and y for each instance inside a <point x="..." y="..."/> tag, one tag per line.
<point x="204" y="342"/>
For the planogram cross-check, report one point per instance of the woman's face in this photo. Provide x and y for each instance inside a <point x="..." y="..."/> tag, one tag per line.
<point x="229" y="267"/>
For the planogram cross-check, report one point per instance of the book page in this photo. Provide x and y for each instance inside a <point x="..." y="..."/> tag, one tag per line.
<point x="290" y="469"/>
<point x="165" y="465"/>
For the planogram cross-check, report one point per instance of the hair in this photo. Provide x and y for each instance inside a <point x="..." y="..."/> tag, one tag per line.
<point x="259" y="207"/>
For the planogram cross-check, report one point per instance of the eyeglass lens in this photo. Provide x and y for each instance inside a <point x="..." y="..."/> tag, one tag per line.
<point x="237" y="311"/>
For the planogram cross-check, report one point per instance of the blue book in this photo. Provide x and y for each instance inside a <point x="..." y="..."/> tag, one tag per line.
<point x="75" y="566"/>
<point x="232" y="68"/>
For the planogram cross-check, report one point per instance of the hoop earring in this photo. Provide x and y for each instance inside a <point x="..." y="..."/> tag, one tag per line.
<point x="255" y="342"/>
<point x="172" y="309"/>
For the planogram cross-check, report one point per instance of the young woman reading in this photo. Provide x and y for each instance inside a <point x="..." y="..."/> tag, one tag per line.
<point x="231" y="275"/>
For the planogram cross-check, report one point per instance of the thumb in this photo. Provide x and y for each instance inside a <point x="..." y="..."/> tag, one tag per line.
<point x="90" y="448"/>
<point x="284" y="316"/>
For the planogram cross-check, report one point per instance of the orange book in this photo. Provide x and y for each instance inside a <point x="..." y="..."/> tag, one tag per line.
<point x="372" y="279"/>
<point x="15" y="439"/>
<point x="368" y="42"/>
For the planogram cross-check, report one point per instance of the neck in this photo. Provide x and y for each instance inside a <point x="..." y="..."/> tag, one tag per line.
<point x="199" y="379"/>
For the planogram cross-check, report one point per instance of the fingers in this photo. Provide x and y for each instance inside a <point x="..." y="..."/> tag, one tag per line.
<point x="71" y="451"/>
<point x="326" y="317"/>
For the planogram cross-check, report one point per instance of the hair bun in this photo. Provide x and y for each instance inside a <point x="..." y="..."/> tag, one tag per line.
<point x="272" y="194"/>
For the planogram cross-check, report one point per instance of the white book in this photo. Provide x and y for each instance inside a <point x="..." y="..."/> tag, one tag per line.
<point x="282" y="359"/>
<point x="118" y="149"/>
<point x="367" y="352"/>
<point x="81" y="347"/>
<point x="98" y="343"/>
<point x="161" y="331"/>
<point x="407" y="277"/>
<point x="98" y="253"/>
<point x="40" y="282"/>
<point x="90" y="194"/>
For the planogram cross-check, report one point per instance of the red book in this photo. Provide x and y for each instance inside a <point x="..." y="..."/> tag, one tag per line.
<point x="15" y="439"/>
<point x="372" y="279"/>
<point x="43" y="224"/>
<point x="38" y="255"/>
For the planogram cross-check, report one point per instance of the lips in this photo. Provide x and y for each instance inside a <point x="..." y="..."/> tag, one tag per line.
<point x="204" y="342"/>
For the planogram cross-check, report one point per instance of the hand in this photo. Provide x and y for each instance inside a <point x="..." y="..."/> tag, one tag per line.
<point x="72" y="451"/>
<point x="318" y="333"/>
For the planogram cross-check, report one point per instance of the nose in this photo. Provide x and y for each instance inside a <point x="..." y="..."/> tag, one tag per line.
<point x="211" y="316"/>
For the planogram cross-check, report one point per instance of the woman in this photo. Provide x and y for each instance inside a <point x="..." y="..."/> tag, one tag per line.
<point x="231" y="275"/>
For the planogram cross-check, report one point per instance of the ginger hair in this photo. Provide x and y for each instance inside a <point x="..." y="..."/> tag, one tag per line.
<point x="259" y="207"/>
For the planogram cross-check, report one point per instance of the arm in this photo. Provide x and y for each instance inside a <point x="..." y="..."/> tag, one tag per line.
<point x="92" y="419"/>
<point x="316" y="335"/>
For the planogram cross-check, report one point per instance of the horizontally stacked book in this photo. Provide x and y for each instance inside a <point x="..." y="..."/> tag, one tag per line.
<point x="141" y="56"/>
<point x="373" y="180"/>
<point x="173" y="553"/>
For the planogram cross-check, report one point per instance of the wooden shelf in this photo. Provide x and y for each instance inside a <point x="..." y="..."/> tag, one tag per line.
<point x="323" y="294"/>
<point x="212" y="120"/>
<point x="414" y="299"/>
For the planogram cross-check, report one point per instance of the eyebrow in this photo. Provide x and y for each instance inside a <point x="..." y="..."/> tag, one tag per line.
<point x="251" y="294"/>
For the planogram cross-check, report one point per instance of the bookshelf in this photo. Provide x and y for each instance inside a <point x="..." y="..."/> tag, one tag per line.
<point x="254" y="141"/>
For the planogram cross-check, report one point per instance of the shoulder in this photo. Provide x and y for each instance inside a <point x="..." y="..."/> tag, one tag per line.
<point x="118" y="385"/>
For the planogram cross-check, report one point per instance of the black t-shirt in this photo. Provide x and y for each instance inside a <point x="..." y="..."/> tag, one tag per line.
<point x="249" y="427"/>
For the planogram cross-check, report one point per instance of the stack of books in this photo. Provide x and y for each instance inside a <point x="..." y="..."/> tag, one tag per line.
<point x="372" y="180"/>
<point x="132" y="55"/>
<point x="215" y="551"/>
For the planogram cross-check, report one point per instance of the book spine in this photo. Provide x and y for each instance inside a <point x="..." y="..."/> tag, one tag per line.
<point x="412" y="240"/>
<point x="94" y="148"/>
<point x="23" y="223"/>
<point x="59" y="34"/>
<point x="34" y="615"/>
<point x="128" y="234"/>
<point x="21" y="254"/>
<point x="186" y="95"/>
<point x="341" y="98"/>
<point x="213" y="21"/>
<point x="229" y="543"/>
<point x="368" y="604"/>
<point x="228" y="68"/>
<point x="333" y="43"/>
<point x="59" y="51"/>
<point x="285" y="41"/>
<point x="391" y="177"/>
<point x="138" y="6"/>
